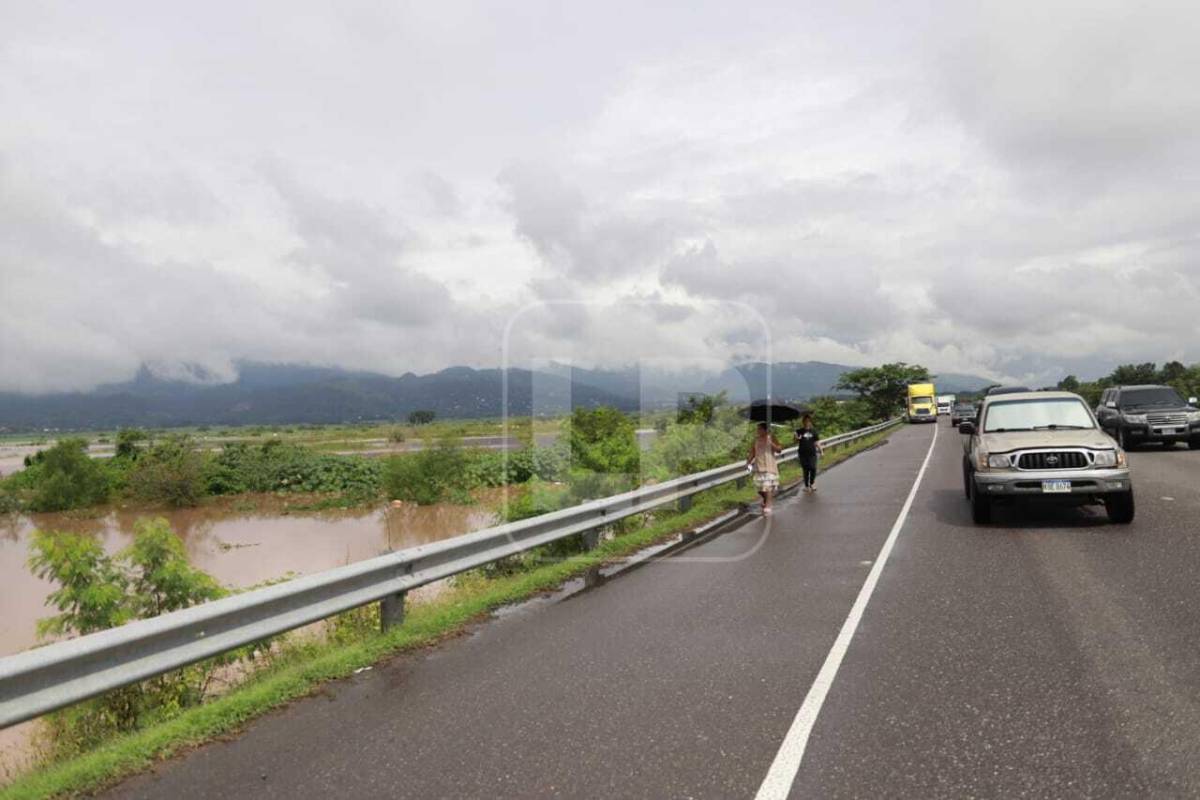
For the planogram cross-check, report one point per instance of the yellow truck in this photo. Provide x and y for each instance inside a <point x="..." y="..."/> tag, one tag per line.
<point x="921" y="405"/>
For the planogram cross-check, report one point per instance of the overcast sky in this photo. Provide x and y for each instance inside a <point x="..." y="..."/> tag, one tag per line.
<point x="1008" y="191"/>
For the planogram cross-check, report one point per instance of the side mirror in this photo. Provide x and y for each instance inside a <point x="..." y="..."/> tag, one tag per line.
<point x="1193" y="401"/>
<point x="1111" y="404"/>
<point x="966" y="428"/>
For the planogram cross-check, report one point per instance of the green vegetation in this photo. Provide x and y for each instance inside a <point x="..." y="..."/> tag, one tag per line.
<point x="883" y="388"/>
<point x="353" y="641"/>
<point x="421" y="417"/>
<point x="171" y="472"/>
<point x="597" y="454"/>
<point x="97" y="591"/>
<point x="1184" y="379"/>
<point x="61" y="478"/>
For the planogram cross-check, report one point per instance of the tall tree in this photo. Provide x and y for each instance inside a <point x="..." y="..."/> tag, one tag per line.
<point x="883" y="388"/>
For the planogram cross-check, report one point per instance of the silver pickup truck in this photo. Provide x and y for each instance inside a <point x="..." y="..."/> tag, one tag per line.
<point x="1045" y="446"/>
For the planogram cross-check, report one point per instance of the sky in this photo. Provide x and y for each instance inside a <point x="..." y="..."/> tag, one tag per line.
<point x="998" y="188"/>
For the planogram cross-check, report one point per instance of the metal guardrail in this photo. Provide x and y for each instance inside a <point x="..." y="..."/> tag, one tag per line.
<point x="37" y="681"/>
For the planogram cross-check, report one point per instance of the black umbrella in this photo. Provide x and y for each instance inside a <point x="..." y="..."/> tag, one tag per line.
<point x="772" y="411"/>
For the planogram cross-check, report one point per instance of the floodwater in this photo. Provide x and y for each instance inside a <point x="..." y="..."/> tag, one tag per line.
<point x="239" y="548"/>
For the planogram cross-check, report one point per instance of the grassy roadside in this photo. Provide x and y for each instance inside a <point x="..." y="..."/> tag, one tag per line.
<point x="304" y="668"/>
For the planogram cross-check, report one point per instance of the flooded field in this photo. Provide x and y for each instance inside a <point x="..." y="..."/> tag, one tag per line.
<point x="240" y="548"/>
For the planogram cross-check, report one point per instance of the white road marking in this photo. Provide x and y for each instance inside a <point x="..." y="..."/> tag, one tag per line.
<point x="778" y="783"/>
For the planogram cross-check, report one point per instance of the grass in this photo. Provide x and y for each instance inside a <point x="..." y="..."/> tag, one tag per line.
<point x="302" y="668"/>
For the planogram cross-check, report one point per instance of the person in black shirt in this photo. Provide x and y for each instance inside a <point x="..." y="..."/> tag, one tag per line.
<point x="808" y="450"/>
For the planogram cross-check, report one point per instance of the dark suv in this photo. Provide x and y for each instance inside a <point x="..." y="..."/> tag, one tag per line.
<point x="1136" y="414"/>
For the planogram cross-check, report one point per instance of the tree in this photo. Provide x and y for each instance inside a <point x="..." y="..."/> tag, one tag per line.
<point x="700" y="408"/>
<point x="603" y="440"/>
<point x="1128" y="374"/>
<point x="883" y="388"/>
<point x="1069" y="384"/>
<point x="1173" y="372"/>
<point x="421" y="417"/>
<point x="128" y="440"/>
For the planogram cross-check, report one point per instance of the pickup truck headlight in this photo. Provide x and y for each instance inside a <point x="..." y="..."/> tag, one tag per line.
<point x="1135" y="419"/>
<point x="999" y="462"/>
<point x="1107" y="458"/>
<point x="1194" y="416"/>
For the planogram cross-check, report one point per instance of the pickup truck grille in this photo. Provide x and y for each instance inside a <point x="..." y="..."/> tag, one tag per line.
<point x="1066" y="459"/>
<point x="1177" y="418"/>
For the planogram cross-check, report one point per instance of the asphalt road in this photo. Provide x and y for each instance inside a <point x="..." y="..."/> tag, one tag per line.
<point x="1047" y="655"/>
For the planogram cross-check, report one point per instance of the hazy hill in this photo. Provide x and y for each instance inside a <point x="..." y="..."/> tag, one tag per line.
<point x="287" y="393"/>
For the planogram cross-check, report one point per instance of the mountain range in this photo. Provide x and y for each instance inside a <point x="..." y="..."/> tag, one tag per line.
<point x="294" y="393"/>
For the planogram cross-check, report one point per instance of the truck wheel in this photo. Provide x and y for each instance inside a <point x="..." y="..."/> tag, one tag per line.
<point x="1194" y="443"/>
<point x="1121" y="439"/>
<point x="981" y="506"/>
<point x="1120" y="508"/>
<point x="966" y="480"/>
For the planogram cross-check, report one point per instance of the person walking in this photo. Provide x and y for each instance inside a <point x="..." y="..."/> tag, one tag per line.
<point x="808" y="451"/>
<point x="763" y="464"/>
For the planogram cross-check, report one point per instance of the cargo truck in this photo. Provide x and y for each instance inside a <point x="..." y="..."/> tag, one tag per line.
<point x="920" y="405"/>
<point x="945" y="404"/>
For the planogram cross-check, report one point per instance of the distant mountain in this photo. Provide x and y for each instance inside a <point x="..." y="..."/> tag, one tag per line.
<point x="292" y="394"/>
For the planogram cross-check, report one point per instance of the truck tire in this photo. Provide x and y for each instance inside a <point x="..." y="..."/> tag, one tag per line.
<point x="966" y="480"/>
<point x="1194" y="443"/>
<point x="1121" y="439"/>
<point x="981" y="506"/>
<point x="1120" y="507"/>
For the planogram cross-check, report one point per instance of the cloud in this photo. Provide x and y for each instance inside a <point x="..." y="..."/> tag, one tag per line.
<point x="946" y="183"/>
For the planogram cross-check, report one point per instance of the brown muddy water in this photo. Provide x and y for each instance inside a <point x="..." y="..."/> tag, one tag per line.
<point x="239" y="548"/>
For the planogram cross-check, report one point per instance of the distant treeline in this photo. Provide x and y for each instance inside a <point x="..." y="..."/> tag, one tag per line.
<point x="1184" y="379"/>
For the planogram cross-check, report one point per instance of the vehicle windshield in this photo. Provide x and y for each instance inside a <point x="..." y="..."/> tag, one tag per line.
<point x="922" y="399"/>
<point x="1033" y="415"/>
<point x="1150" y="397"/>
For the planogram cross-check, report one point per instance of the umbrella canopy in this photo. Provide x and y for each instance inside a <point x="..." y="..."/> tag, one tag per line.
<point x="772" y="411"/>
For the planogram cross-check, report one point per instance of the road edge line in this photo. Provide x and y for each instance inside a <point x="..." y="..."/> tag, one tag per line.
<point x="777" y="784"/>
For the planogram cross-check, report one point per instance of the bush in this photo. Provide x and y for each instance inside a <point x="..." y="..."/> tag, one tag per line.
<point x="427" y="477"/>
<point x="128" y="443"/>
<point x="603" y="440"/>
<point x="98" y="591"/>
<point x="280" y="467"/>
<point x="65" y="477"/>
<point x="170" y="472"/>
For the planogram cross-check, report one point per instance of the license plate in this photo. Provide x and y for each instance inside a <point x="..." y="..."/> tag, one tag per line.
<point x="1055" y="487"/>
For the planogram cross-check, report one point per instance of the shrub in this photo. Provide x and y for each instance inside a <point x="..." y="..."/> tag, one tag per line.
<point x="65" y="477"/>
<point x="280" y="467"/>
<point x="426" y="477"/>
<point x="171" y="472"/>
<point x="98" y="591"/>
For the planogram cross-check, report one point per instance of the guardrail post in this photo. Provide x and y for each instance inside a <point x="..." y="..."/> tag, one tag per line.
<point x="591" y="539"/>
<point x="391" y="611"/>
<point x="740" y="482"/>
<point x="685" y="503"/>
